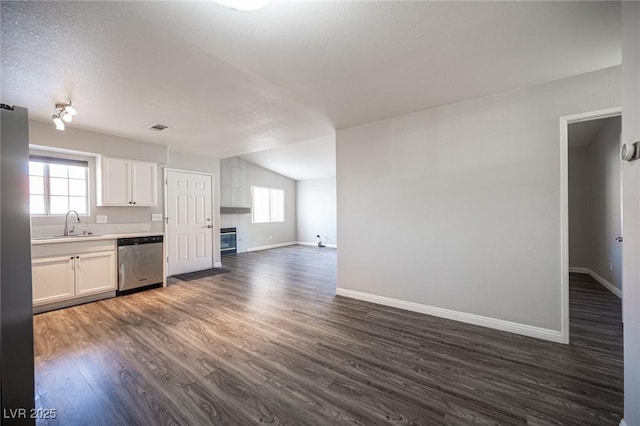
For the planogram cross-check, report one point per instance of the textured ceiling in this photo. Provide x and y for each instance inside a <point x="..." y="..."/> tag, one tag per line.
<point x="229" y="82"/>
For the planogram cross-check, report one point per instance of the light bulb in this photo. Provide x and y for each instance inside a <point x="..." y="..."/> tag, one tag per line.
<point x="58" y="122"/>
<point x="244" y="4"/>
<point x="70" y="110"/>
<point x="67" y="117"/>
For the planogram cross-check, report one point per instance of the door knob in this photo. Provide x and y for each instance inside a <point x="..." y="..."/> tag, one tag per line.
<point x="209" y="226"/>
<point x="619" y="239"/>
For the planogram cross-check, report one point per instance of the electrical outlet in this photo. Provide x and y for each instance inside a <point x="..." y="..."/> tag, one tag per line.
<point x="156" y="217"/>
<point x="611" y="266"/>
<point x="101" y="218"/>
<point x="270" y="237"/>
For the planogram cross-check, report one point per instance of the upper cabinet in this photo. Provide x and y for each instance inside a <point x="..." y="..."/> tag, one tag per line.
<point x="123" y="182"/>
<point x="144" y="181"/>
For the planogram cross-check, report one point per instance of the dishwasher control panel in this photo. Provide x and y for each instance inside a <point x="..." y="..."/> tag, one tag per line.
<point x="139" y="240"/>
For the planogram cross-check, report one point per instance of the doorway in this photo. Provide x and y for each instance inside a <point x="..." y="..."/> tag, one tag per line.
<point x="189" y="221"/>
<point x="591" y="216"/>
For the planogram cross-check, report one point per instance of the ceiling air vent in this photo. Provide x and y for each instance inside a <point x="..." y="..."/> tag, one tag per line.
<point x="156" y="127"/>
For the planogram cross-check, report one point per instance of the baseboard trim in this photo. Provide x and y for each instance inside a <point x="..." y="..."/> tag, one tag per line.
<point x="312" y="244"/>
<point x="270" y="246"/>
<point x="606" y="284"/>
<point x="38" y="309"/>
<point x="498" y="324"/>
<point x="217" y="264"/>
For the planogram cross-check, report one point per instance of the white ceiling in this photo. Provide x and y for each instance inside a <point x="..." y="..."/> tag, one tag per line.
<point x="582" y="133"/>
<point x="229" y="83"/>
<point x="312" y="159"/>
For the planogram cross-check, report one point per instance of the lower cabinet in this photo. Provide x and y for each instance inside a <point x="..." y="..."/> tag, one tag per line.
<point x="53" y="279"/>
<point x="95" y="273"/>
<point x="63" y="277"/>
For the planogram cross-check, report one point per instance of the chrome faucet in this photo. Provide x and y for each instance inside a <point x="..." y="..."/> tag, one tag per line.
<point x="66" y="224"/>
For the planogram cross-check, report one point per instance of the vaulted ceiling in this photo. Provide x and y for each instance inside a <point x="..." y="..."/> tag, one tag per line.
<point x="229" y="82"/>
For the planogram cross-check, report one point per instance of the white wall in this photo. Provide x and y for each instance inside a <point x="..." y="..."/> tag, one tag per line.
<point x="578" y="208"/>
<point x="605" y="221"/>
<point x="631" y="211"/>
<point x="458" y="207"/>
<point x="316" y="211"/>
<point x="260" y="235"/>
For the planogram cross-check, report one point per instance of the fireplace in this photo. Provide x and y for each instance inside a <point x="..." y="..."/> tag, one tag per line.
<point x="228" y="241"/>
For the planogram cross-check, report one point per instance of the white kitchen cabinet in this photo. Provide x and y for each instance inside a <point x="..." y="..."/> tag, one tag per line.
<point x="63" y="272"/>
<point x="144" y="181"/>
<point x="60" y="278"/>
<point x="95" y="273"/>
<point x="123" y="182"/>
<point x="53" y="279"/>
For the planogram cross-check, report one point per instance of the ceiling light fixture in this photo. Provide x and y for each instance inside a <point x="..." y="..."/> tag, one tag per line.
<point x="244" y="4"/>
<point x="58" y="121"/>
<point x="69" y="109"/>
<point x="65" y="113"/>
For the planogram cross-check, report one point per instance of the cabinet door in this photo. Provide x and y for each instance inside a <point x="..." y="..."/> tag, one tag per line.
<point x="144" y="183"/>
<point x="95" y="273"/>
<point x="115" y="175"/>
<point x="52" y="279"/>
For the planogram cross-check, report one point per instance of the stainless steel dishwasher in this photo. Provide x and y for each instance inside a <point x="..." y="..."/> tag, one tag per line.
<point x="139" y="262"/>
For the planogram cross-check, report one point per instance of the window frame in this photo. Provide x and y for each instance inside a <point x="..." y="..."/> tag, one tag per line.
<point x="269" y="207"/>
<point x="47" y="161"/>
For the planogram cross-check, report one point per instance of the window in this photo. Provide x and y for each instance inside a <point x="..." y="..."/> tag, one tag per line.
<point x="57" y="185"/>
<point x="267" y="205"/>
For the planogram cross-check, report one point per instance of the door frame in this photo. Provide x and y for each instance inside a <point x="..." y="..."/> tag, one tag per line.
<point x="215" y="236"/>
<point x="565" y="120"/>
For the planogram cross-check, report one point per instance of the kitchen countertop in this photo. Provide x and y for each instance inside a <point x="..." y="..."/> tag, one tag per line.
<point x="79" y="238"/>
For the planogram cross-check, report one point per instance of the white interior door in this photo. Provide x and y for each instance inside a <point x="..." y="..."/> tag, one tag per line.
<point x="189" y="222"/>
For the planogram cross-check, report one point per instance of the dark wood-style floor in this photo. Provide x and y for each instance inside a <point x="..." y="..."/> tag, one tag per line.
<point x="269" y="342"/>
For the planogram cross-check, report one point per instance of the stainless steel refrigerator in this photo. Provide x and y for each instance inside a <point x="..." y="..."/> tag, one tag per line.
<point x="16" y="311"/>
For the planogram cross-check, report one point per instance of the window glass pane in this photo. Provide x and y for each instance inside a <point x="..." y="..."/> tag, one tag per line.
<point x="77" y="172"/>
<point x="59" y="205"/>
<point x="36" y="204"/>
<point x="260" y="204"/>
<point x="57" y="170"/>
<point x="78" y="204"/>
<point x="58" y="186"/>
<point x="36" y="185"/>
<point x="77" y="187"/>
<point x="36" y="168"/>
<point x="277" y="205"/>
